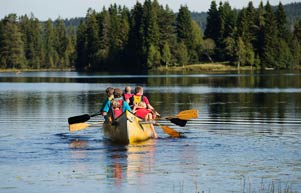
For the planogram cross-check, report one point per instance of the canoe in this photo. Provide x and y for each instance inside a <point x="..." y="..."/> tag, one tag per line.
<point x="127" y="129"/>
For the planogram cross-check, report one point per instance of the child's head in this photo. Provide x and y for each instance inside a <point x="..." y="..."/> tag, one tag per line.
<point x="109" y="91"/>
<point x="117" y="93"/>
<point x="142" y="104"/>
<point x="127" y="89"/>
<point x="139" y="89"/>
<point x="115" y="104"/>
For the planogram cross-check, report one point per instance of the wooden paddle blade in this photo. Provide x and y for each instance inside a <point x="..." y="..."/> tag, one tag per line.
<point x="188" y="114"/>
<point x="78" y="126"/>
<point x="78" y="119"/>
<point x="178" y="121"/>
<point x="171" y="132"/>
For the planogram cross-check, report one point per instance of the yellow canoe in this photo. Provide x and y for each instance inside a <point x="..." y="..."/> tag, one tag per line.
<point x="127" y="129"/>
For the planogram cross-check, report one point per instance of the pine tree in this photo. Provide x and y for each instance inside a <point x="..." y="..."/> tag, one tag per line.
<point x="135" y="47"/>
<point x="184" y="27"/>
<point x="70" y="53"/>
<point x="269" y="55"/>
<point x="166" y="54"/>
<point x="33" y="43"/>
<point x="12" y="50"/>
<point x="61" y="43"/>
<point x="212" y="26"/>
<point x="296" y="44"/>
<point x="281" y="22"/>
<point x="182" y="55"/>
<point x="102" y="41"/>
<point x="93" y="41"/>
<point x="153" y="57"/>
<point x="81" y="47"/>
<point x="189" y="33"/>
<point x="51" y="56"/>
<point x="258" y="43"/>
<point x="241" y="52"/>
<point x="151" y="32"/>
<point x="166" y="22"/>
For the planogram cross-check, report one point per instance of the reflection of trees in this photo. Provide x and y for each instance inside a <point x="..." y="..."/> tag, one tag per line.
<point x="251" y="105"/>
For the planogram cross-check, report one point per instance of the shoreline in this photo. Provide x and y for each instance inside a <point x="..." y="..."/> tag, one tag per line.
<point x="19" y="71"/>
<point x="204" y="67"/>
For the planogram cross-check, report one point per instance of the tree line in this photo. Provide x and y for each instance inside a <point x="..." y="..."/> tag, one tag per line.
<point x="150" y="36"/>
<point x="27" y="43"/>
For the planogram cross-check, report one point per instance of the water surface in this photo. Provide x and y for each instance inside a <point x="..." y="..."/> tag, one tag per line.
<point x="247" y="136"/>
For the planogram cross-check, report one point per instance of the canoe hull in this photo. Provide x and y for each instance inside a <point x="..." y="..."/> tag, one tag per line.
<point x="127" y="129"/>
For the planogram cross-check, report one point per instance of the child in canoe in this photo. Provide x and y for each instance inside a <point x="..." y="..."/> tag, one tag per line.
<point x="127" y="94"/>
<point x="143" y="112"/>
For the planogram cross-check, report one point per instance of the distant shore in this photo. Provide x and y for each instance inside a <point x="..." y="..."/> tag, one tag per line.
<point x="18" y="71"/>
<point x="206" y="67"/>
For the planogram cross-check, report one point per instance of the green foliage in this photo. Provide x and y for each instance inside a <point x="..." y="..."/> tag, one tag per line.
<point x="182" y="55"/>
<point x="12" y="46"/>
<point x="149" y="36"/>
<point x="212" y="28"/>
<point x="166" y="54"/>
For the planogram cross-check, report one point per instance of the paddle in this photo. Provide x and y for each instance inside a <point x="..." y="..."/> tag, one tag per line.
<point x="80" y="126"/>
<point x="81" y="118"/>
<point x="182" y="117"/>
<point x="76" y="123"/>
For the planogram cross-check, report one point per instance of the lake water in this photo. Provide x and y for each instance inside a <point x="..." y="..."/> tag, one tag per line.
<point x="247" y="137"/>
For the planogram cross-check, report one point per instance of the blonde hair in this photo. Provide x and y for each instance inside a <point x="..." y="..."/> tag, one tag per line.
<point x="115" y="104"/>
<point x="127" y="89"/>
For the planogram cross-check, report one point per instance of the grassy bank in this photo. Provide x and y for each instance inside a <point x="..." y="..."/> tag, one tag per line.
<point x="208" y="67"/>
<point x="36" y="70"/>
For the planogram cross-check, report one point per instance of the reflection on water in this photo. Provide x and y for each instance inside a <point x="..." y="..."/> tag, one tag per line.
<point x="248" y="130"/>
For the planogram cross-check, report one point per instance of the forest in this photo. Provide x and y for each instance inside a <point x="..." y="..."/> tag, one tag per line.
<point x="150" y="36"/>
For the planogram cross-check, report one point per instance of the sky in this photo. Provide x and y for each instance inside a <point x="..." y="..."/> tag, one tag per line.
<point x="52" y="9"/>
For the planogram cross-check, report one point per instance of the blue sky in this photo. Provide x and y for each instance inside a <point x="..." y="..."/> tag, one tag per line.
<point x="44" y="9"/>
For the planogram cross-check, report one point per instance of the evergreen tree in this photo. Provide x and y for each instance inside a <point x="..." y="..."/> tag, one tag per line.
<point x="81" y="47"/>
<point x="166" y="54"/>
<point x="51" y="56"/>
<point x="61" y="43"/>
<point x="296" y="44"/>
<point x="182" y="55"/>
<point x="135" y="47"/>
<point x="258" y="43"/>
<point x="281" y="20"/>
<point x="189" y="33"/>
<point x="151" y="32"/>
<point x="70" y="53"/>
<point x="184" y="27"/>
<point x="227" y="23"/>
<point x="212" y="26"/>
<point x="103" y="40"/>
<point x="93" y="41"/>
<point x="153" y="57"/>
<point x="269" y="55"/>
<point x="12" y="47"/>
<point x="166" y="22"/>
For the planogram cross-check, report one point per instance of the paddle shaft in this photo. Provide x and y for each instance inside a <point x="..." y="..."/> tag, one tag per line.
<point x="81" y="118"/>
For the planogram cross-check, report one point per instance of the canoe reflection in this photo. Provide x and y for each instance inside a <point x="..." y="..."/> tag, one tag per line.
<point x="132" y="162"/>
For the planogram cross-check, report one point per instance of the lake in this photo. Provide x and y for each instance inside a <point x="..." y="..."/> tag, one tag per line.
<point x="247" y="137"/>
